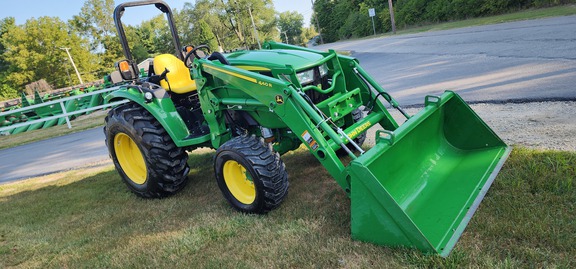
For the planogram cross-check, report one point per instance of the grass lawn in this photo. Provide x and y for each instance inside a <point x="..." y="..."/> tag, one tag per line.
<point x="88" y="218"/>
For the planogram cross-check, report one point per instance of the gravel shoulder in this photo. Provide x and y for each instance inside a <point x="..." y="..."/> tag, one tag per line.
<point x="541" y="125"/>
<point x="538" y="125"/>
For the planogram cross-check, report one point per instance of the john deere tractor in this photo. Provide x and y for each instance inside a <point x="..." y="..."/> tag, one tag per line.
<point x="417" y="186"/>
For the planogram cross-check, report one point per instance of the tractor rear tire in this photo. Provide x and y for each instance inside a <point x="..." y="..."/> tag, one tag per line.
<point x="251" y="176"/>
<point x="144" y="155"/>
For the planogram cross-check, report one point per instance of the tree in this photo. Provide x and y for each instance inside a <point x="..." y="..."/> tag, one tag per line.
<point x="95" y="21"/>
<point x="235" y="17"/>
<point x="153" y="34"/>
<point x="202" y="10"/>
<point x="291" y="22"/>
<point x="228" y="20"/>
<point x="328" y="19"/>
<point x="96" y="24"/>
<point x="358" y="23"/>
<point x="205" y="35"/>
<point x="6" y="90"/>
<point x="33" y="53"/>
<point x="186" y="23"/>
<point x="139" y="52"/>
<point x="307" y="34"/>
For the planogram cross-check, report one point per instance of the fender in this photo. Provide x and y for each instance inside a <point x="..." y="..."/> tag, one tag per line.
<point x="163" y="109"/>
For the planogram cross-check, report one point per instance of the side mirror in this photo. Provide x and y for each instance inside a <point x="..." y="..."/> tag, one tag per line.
<point x="127" y="70"/>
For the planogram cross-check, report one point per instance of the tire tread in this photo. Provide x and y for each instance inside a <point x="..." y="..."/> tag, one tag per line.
<point x="166" y="163"/>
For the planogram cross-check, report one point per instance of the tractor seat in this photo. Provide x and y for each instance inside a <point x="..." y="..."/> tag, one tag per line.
<point x="179" y="80"/>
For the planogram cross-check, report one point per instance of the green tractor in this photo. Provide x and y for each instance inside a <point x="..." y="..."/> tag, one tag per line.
<point x="417" y="187"/>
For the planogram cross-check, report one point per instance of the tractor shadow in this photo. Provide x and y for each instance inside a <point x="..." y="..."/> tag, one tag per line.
<point x="97" y="211"/>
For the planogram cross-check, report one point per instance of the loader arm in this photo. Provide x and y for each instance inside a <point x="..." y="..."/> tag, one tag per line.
<point x="418" y="186"/>
<point x="262" y="93"/>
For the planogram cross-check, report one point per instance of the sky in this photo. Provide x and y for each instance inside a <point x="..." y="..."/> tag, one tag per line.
<point x="22" y="10"/>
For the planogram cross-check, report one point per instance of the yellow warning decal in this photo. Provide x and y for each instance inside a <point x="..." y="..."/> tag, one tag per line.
<point x="252" y="68"/>
<point x="253" y="80"/>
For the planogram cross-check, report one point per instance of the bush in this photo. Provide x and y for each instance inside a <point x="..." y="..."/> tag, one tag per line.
<point x="349" y="18"/>
<point x="416" y="12"/>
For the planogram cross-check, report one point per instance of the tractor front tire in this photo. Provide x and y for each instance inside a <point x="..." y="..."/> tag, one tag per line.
<point x="251" y="176"/>
<point x="144" y="155"/>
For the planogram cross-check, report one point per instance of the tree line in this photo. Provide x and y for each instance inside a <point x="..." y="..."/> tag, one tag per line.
<point x="345" y="19"/>
<point x="35" y="50"/>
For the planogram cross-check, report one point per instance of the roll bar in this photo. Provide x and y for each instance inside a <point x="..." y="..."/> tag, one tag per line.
<point x="162" y="6"/>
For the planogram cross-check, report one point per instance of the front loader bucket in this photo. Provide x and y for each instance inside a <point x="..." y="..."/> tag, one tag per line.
<point x="419" y="186"/>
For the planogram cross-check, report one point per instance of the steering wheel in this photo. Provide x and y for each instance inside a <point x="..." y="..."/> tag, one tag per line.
<point x="214" y="56"/>
<point x="194" y="52"/>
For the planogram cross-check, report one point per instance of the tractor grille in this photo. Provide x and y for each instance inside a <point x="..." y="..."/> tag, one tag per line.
<point x="316" y="97"/>
<point x="324" y="81"/>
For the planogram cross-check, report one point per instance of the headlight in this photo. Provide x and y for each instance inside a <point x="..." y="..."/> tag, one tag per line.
<point x="323" y="70"/>
<point x="306" y="77"/>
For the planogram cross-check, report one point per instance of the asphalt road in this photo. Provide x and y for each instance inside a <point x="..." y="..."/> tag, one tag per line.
<point x="53" y="155"/>
<point x="526" y="60"/>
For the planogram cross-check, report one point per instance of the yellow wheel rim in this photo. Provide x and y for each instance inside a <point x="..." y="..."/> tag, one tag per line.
<point x="130" y="158"/>
<point x="239" y="182"/>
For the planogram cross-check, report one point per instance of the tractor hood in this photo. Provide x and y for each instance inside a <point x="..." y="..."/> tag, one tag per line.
<point x="261" y="60"/>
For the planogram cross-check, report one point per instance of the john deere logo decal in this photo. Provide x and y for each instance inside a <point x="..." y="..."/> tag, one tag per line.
<point x="279" y="99"/>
